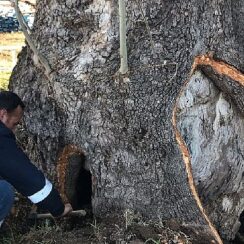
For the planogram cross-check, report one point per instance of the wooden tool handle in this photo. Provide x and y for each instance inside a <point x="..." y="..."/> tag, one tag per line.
<point x="73" y="213"/>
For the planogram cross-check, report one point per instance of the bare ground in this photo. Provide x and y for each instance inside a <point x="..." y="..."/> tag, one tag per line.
<point x="123" y="228"/>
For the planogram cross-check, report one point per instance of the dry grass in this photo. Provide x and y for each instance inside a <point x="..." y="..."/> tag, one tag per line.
<point x="105" y="231"/>
<point x="6" y="56"/>
<point x="4" y="79"/>
<point x="112" y="228"/>
<point x="6" y="60"/>
<point x="12" y="39"/>
<point x="6" y="65"/>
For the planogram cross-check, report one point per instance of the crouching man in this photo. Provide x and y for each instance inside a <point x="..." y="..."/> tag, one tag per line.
<point x="16" y="169"/>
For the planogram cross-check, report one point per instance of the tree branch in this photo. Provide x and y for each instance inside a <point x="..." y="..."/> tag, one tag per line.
<point x="26" y="25"/>
<point x="122" y="27"/>
<point x="41" y="58"/>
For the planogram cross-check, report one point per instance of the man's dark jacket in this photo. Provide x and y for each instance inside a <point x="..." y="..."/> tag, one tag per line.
<point x="16" y="168"/>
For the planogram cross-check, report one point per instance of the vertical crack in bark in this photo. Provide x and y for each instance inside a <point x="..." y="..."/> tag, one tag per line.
<point x="221" y="68"/>
<point x="62" y="166"/>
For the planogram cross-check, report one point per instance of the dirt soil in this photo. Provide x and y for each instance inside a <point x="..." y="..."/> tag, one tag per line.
<point x="120" y="228"/>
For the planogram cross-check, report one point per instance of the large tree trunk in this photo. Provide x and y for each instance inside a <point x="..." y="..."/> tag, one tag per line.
<point x="139" y="133"/>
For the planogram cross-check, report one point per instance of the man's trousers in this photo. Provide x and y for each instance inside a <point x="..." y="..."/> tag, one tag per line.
<point x="6" y="199"/>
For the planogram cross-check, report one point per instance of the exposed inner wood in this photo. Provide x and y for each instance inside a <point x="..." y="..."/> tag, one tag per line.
<point x="186" y="158"/>
<point x="220" y="67"/>
<point x="223" y="69"/>
<point x="62" y="165"/>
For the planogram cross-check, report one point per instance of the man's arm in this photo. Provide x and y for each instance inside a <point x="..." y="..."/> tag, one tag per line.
<point x="16" y="168"/>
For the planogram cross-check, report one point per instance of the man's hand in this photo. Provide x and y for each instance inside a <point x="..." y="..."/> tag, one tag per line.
<point x="67" y="209"/>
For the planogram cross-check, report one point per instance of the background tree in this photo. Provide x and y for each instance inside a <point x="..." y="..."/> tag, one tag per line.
<point x="137" y="131"/>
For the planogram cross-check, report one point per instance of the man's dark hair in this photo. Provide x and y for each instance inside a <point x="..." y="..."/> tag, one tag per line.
<point x="10" y="101"/>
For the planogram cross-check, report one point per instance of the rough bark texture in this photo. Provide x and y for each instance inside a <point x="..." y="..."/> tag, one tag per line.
<point x="124" y="124"/>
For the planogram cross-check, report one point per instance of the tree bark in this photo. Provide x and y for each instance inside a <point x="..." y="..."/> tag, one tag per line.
<point x="146" y="135"/>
